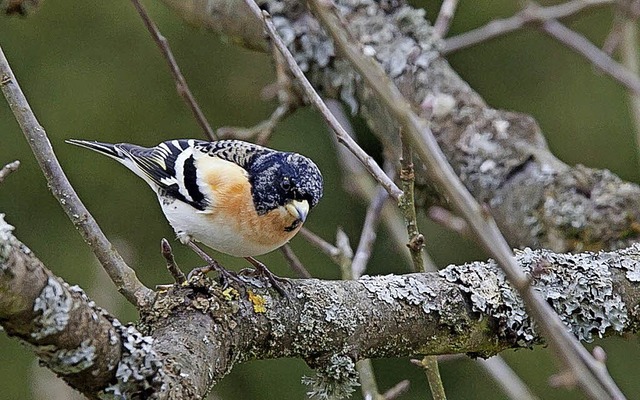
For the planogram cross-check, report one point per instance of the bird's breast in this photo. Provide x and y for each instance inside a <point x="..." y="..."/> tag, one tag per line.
<point x="230" y="224"/>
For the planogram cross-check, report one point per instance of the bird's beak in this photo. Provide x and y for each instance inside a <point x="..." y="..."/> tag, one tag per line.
<point x="298" y="209"/>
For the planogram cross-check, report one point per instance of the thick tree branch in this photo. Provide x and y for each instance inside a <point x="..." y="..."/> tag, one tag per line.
<point x="197" y="332"/>
<point x="80" y="342"/>
<point x="120" y="273"/>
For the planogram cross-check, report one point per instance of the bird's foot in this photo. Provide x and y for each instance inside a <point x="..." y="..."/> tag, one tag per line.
<point x="226" y="276"/>
<point x="275" y="281"/>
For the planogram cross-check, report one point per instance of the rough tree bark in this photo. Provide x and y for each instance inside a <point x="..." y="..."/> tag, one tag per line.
<point x="194" y="334"/>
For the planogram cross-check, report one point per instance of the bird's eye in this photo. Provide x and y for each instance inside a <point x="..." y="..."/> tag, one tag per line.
<point x="285" y="185"/>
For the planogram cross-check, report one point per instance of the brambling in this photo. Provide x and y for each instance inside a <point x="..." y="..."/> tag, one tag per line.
<point x="235" y="197"/>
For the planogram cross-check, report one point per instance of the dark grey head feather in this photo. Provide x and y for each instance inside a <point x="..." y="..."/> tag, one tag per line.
<point x="277" y="178"/>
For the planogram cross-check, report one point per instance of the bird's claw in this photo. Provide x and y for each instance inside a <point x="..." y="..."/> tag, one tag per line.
<point x="226" y="276"/>
<point x="276" y="282"/>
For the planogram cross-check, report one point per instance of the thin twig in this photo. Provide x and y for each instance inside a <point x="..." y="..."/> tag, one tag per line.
<point x="174" y="270"/>
<point x="8" y="169"/>
<point x="508" y="380"/>
<point x="313" y="97"/>
<point x="120" y="273"/>
<point x="591" y="377"/>
<point x="397" y="390"/>
<point x="368" y="383"/>
<point x="591" y="52"/>
<point x="368" y="234"/>
<point x="345" y="255"/>
<point x="294" y="262"/>
<point x="447" y="9"/>
<point x="614" y="37"/>
<point x="416" y="243"/>
<point x="627" y="11"/>
<point x="357" y="181"/>
<point x="260" y="132"/>
<point x="181" y="83"/>
<point x="530" y="14"/>
<point x="431" y="370"/>
<point x="327" y="248"/>
<point x="408" y="207"/>
<point x="449" y="220"/>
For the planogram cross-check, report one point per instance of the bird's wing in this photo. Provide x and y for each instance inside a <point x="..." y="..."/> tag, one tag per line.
<point x="235" y="151"/>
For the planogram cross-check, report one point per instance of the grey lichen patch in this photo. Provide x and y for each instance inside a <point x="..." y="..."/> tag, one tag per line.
<point x="5" y="237"/>
<point x="54" y="304"/>
<point x="578" y="286"/>
<point x="140" y="371"/>
<point x="396" y="35"/>
<point x="335" y="379"/>
<point x="393" y="288"/>
<point x="68" y="361"/>
<point x="630" y="261"/>
<point x="591" y="209"/>
<point x="326" y="306"/>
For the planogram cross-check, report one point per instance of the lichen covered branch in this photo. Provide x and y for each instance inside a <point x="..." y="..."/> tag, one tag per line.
<point x="196" y="333"/>
<point x="80" y="342"/>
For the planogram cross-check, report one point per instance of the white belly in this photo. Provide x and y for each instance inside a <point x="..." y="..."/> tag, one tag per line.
<point x="216" y="233"/>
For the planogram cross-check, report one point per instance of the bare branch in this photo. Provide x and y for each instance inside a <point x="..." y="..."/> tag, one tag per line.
<point x="408" y="207"/>
<point x="627" y="11"/>
<point x="447" y="9"/>
<point x="591" y="52"/>
<point x="294" y="262"/>
<point x="395" y="392"/>
<point x="67" y="332"/>
<point x="174" y="270"/>
<point x="120" y="273"/>
<point x="319" y="104"/>
<point x="430" y="366"/>
<point x="449" y="220"/>
<point x="8" y="169"/>
<point x="592" y="379"/>
<point x="181" y="83"/>
<point x="508" y="380"/>
<point x="327" y="248"/>
<point x="532" y="13"/>
<point x="368" y="234"/>
<point x="261" y="132"/>
<point x="369" y="385"/>
<point x="357" y="181"/>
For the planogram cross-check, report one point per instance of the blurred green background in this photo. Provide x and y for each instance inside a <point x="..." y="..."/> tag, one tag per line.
<point x="91" y="71"/>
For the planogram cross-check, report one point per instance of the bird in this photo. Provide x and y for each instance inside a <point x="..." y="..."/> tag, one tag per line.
<point x="236" y="197"/>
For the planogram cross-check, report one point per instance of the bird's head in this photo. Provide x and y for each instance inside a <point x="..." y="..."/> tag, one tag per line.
<point x="288" y="180"/>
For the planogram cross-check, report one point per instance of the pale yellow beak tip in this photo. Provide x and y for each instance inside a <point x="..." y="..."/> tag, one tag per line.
<point x="298" y="209"/>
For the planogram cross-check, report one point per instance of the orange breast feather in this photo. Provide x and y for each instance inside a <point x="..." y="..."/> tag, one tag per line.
<point x="233" y="204"/>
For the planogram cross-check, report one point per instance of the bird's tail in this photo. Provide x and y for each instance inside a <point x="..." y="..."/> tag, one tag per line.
<point x="107" y="149"/>
<point x="124" y="154"/>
